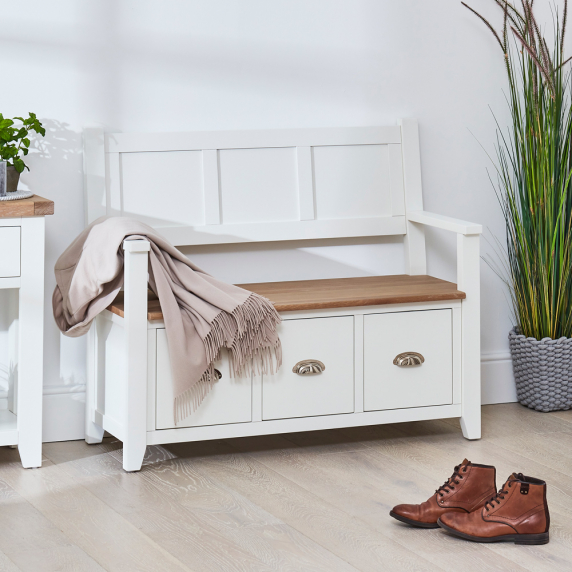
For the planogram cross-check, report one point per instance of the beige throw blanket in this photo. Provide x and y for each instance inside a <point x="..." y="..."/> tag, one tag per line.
<point x="202" y="314"/>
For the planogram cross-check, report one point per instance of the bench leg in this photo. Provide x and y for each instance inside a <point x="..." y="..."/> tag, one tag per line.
<point x="135" y="436"/>
<point x="135" y="427"/>
<point x="134" y="452"/>
<point x="469" y="282"/>
<point x="93" y="432"/>
<point x="471" y="426"/>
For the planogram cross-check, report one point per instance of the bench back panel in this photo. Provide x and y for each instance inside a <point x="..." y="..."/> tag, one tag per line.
<point x="250" y="186"/>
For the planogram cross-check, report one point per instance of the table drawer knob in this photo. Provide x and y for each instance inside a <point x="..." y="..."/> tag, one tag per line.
<point x="408" y="359"/>
<point x="309" y="367"/>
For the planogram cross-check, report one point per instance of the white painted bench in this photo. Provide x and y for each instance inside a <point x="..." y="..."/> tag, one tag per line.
<point x="389" y="349"/>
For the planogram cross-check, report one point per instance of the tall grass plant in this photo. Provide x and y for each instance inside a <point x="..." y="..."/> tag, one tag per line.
<point x="534" y="169"/>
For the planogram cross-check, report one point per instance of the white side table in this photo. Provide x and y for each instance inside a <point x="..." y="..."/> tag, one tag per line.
<point x="22" y="268"/>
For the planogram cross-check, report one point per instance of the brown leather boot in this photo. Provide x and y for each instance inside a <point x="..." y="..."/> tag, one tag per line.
<point x="517" y="513"/>
<point x="468" y="488"/>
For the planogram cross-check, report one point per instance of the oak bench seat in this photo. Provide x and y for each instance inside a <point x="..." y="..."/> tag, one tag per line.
<point x="336" y="293"/>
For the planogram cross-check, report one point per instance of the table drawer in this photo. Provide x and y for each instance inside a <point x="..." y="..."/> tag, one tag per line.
<point x="229" y="401"/>
<point x="10" y="251"/>
<point x="390" y="386"/>
<point x="328" y="340"/>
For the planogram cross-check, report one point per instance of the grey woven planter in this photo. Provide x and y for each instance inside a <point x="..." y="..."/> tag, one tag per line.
<point x="542" y="371"/>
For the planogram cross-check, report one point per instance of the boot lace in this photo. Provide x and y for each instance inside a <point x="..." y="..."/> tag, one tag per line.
<point x="454" y="480"/>
<point x="499" y="496"/>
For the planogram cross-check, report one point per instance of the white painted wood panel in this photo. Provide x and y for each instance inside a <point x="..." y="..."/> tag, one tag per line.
<point x="136" y="255"/>
<point x="211" y="186"/>
<point x="30" y="345"/>
<point x="138" y="142"/>
<point x="396" y="180"/>
<point x="259" y="185"/>
<point x="352" y="181"/>
<point x="163" y="188"/>
<point x="288" y="230"/>
<point x="415" y="256"/>
<point x="113" y="184"/>
<point x="229" y="401"/>
<point x="358" y="362"/>
<point x="8" y="428"/>
<point x="388" y="386"/>
<point x="305" y="171"/>
<point x="317" y="423"/>
<point x="469" y="278"/>
<point x="251" y="186"/>
<point x="112" y="371"/>
<point x="151" y="378"/>
<point x="329" y="340"/>
<point x="6" y="283"/>
<point x="10" y="245"/>
<point x="445" y="222"/>
<point x="95" y="381"/>
<point x="94" y="172"/>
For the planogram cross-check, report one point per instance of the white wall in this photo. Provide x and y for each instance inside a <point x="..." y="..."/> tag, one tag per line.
<point x="141" y="65"/>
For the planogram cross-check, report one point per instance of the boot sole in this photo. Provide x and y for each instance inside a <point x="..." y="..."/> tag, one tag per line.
<point x="530" y="539"/>
<point x="416" y="523"/>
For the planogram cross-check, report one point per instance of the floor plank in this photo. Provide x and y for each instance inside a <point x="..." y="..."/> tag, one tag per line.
<point x="382" y="483"/>
<point x="435" y="439"/>
<point x="87" y="522"/>
<point x="20" y="521"/>
<point x="6" y="565"/>
<point x="338" y="532"/>
<point x="62" y="559"/>
<point x="316" y="501"/>
<point x="195" y="517"/>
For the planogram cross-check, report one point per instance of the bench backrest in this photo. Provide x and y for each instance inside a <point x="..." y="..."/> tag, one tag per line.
<point x="256" y="186"/>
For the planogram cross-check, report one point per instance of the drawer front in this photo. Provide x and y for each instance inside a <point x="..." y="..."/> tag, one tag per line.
<point x="10" y="248"/>
<point x="328" y="340"/>
<point x="389" y="386"/>
<point x="229" y="401"/>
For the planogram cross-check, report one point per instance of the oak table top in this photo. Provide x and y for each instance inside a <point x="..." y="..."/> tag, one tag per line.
<point x="34" y="206"/>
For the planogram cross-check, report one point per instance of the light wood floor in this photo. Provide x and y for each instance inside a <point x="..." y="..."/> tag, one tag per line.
<point x="297" y="502"/>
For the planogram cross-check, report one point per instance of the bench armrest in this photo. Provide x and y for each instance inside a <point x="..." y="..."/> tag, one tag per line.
<point x="445" y="222"/>
<point x="468" y="281"/>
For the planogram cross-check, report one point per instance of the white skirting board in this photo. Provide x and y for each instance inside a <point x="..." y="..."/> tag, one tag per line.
<point x="497" y="379"/>
<point x="64" y="415"/>
<point x="64" y="412"/>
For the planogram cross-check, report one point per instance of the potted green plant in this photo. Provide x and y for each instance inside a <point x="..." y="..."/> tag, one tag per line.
<point x="15" y="143"/>
<point x="534" y="167"/>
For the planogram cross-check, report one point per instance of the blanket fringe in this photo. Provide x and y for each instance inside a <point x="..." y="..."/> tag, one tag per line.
<point x="188" y="402"/>
<point x="249" y="333"/>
